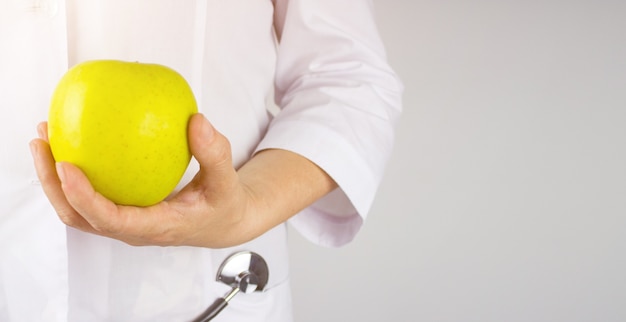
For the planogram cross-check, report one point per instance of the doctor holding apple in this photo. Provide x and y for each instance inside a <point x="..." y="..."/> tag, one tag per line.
<point x="296" y="105"/>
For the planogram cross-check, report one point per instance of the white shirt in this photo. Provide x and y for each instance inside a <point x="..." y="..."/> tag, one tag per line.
<point x="338" y="102"/>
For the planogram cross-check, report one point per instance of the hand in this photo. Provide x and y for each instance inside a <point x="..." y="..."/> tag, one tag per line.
<point x="213" y="210"/>
<point x="220" y="207"/>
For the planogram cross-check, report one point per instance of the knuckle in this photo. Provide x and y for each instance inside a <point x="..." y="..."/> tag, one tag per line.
<point x="68" y="219"/>
<point x="167" y="238"/>
<point x="105" y="228"/>
<point x="134" y="243"/>
<point x="222" y="152"/>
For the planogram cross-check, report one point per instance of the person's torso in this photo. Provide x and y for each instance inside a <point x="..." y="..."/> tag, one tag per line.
<point x="226" y="50"/>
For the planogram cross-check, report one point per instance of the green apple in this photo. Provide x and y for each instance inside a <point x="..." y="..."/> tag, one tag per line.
<point x="124" y="124"/>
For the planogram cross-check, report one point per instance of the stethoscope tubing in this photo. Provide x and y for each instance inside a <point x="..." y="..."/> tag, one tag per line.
<point x="217" y="307"/>
<point x="212" y="311"/>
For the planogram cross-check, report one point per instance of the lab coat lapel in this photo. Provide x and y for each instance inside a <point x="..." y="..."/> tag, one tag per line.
<point x="33" y="267"/>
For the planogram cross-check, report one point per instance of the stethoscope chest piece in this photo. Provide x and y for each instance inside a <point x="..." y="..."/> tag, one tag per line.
<point x="245" y="272"/>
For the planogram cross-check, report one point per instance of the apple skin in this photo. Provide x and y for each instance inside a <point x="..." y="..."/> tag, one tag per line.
<point x="124" y="124"/>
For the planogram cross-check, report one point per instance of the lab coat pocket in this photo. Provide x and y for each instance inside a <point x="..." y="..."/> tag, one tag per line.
<point x="273" y="303"/>
<point x="272" y="246"/>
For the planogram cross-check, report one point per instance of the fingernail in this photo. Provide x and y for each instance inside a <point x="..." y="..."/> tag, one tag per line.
<point x="41" y="131"/>
<point x="33" y="148"/>
<point x="207" y="129"/>
<point x="60" y="172"/>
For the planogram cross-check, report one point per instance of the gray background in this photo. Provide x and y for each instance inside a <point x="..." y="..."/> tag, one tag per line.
<point x="505" y="198"/>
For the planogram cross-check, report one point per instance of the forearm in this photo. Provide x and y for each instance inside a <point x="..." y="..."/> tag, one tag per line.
<point x="280" y="184"/>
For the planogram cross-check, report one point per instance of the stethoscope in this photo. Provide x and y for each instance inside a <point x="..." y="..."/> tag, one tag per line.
<point x="243" y="271"/>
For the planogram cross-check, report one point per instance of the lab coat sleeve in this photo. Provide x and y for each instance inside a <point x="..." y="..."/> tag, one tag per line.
<point x="339" y="100"/>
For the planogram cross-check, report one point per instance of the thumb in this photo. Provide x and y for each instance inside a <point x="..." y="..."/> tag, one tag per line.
<point x="212" y="151"/>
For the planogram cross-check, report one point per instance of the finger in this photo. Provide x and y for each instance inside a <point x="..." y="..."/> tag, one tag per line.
<point x="99" y="212"/>
<point x="133" y="225"/>
<point x="213" y="152"/>
<point x="47" y="174"/>
<point x="42" y="130"/>
<point x="79" y="206"/>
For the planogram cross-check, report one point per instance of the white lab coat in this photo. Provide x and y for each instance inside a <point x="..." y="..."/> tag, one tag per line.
<point x="338" y="102"/>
